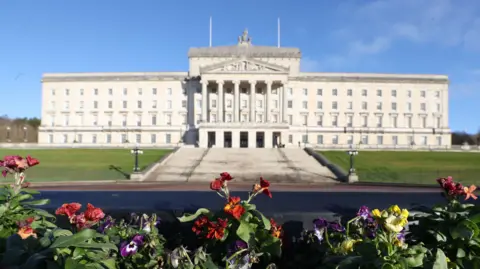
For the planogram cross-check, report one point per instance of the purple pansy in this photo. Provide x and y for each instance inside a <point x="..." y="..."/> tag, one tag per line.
<point x="401" y="236"/>
<point x="128" y="249"/>
<point x="107" y="224"/>
<point x="364" y="212"/>
<point x="322" y="223"/>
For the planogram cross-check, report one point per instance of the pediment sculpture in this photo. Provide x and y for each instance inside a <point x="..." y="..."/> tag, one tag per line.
<point x="245" y="66"/>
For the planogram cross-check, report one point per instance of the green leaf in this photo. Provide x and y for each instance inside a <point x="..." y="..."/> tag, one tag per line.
<point x="245" y="231"/>
<point x="61" y="232"/>
<point x="465" y="230"/>
<point x="73" y="264"/>
<point x="272" y="245"/>
<point x="440" y="260"/>
<point x="414" y="261"/>
<point x="43" y="213"/>
<point x="475" y="218"/>
<point x="266" y="222"/>
<point x="37" y="202"/>
<point x="350" y="262"/>
<point x="109" y="264"/>
<point x="3" y="209"/>
<point x="22" y="197"/>
<point x="190" y="217"/>
<point x="366" y="249"/>
<point x="73" y="240"/>
<point x="460" y="253"/>
<point x="30" y="191"/>
<point x="88" y="245"/>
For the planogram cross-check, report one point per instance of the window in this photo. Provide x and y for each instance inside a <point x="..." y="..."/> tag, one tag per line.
<point x="410" y="140"/>
<point x="305" y="92"/>
<point x="125" y="91"/>
<point x="439" y="122"/>
<point x="423" y="106"/>
<point x="379" y="121"/>
<point x="67" y="92"/>
<point x="124" y="105"/>
<point x="153" y="138"/>
<point x="52" y="120"/>
<point x="319" y="91"/>
<point x="409" y="122"/>
<point x="66" y="120"/>
<point x="140" y="91"/>
<point x="364" y="105"/>
<point x="290" y="139"/>
<point x="169" y="104"/>
<point x="169" y="119"/>
<point x="95" y="104"/>
<point x="394" y="106"/>
<point x="395" y="140"/>
<point x="424" y="140"/>
<point x="379" y="140"/>
<point x="305" y="104"/>
<point x="437" y="94"/>
<point x="335" y="139"/>
<point x="439" y="140"/>
<point x="139" y="104"/>
<point x="350" y="140"/>
<point x="290" y="119"/>
<point x="65" y="138"/>
<point x="168" y="138"/>
<point x="95" y="120"/>
<point x="214" y="103"/>
<point x="109" y="138"/>
<point x="364" y="121"/>
<point x="244" y="117"/>
<point x="229" y="103"/>
<point x="275" y="118"/>
<point x="139" y="120"/>
<point x="409" y="94"/>
<point x="259" y="103"/>
<point x="154" y="104"/>
<point x="334" y="92"/>
<point x="124" y="138"/>
<point x="50" y="138"/>
<point x="305" y="120"/>
<point x="154" y="120"/>
<point x="95" y="91"/>
<point x="319" y="139"/>
<point x="423" y="94"/>
<point x="335" y="121"/>
<point x="394" y="93"/>
<point x="304" y="138"/>
<point x="409" y="107"/>
<point x="110" y="104"/>
<point x="81" y="105"/>
<point x="110" y="120"/>
<point x="169" y="91"/>
<point x="290" y="91"/>
<point x="424" y="122"/>
<point x="289" y="104"/>
<point x="259" y="118"/>
<point x="110" y="91"/>
<point x="320" y="120"/>
<point x="154" y="92"/>
<point x="94" y="139"/>
<point x="394" y="122"/>
<point x="379" y="105"/>
<point x="350" y="105"/>
<point x="334" y="105"/>
<point x="349" y="121"/>
<point x="364" y="92"/>
<point x="365" y="139"/>
<point x="244" y="103"/>
<point x="229" y="117"/>
<point x="138" y="138"/>
<point x="124" y="120"/>
<point x="198" y="118"/>
<point x="81" y="91"/>
<point x="379" y="93"/>
<point x="66" y="105"/>
<point x="437" y="107"/>
<point x="349" y="92"/>
<point x="319" y="104"/>
<point x="52" y="92"/>
<point x="184" y="119"/>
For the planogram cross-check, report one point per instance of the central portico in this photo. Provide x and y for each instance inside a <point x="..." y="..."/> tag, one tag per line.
<point x="243" y="93"/>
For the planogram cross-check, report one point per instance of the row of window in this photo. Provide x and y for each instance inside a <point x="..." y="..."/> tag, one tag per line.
<point x="335" y="92"/>
<point x="108" y="138"/>
<point x="423" y="140"/>
<point x="244" y="104"/>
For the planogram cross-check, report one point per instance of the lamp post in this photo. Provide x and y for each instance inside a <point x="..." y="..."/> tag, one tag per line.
<point x="8" y="134"/>
<point x="25" y="133"/>
<point x="136" y="151"/>
<point x="352" y="176"/>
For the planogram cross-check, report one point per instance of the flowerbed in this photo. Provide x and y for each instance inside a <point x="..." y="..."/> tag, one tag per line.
<point x="236" y="235"/>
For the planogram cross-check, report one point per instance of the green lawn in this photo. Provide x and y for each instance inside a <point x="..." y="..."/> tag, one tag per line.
<point x="84" y="164"/>
<point x="410" y="167"/>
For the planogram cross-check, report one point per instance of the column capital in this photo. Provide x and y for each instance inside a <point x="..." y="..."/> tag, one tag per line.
<point x="204" y="82"/>
<point x="253" y="82"/>
<point x="269" y="82"/>
<point x="236" y="82"/>
<point x="220" y="82"/>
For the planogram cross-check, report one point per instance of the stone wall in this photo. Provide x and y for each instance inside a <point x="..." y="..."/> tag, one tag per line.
<point x="12" y="131"/>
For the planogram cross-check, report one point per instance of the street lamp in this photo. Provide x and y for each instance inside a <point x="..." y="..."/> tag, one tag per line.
<point x="352" y="176"/>
<point x="25" y="133"/>
<point x="136" y="151"/>
<point x="8" y="133"/>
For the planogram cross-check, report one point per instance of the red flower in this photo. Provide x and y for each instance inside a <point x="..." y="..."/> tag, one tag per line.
<point x="451" y="188"/>
<point x="199" y="224"/>
<point x="32" y="161"/>
<point x="225" y="176"/>
<point x="234" y="208"/>
<point x="93" y="214"/>
<point x="264" y="184"/>
<point x="217" y="230"/>
<point x="216" y="184"/>
<point x="275" y="229"/>
<point x="68" y="210"/>
<point x="80" y="221"/>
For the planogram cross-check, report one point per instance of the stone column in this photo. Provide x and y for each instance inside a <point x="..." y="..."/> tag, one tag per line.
<point x="285" y="102"/>
<point x="253" y="92"/>
<point x="268" y="101"/>
<point x="236" y="101"/>
<point x="220" y="102"/>
<point x="204" y="100"/>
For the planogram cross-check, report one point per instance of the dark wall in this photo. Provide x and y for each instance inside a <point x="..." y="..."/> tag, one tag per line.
<point x="19" y="130"/>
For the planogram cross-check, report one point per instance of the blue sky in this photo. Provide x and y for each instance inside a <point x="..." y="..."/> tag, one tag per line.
<point x="397" y="36"/>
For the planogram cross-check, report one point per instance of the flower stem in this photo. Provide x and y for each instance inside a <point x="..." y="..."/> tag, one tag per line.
<point x="326" y="238"/>
<point x="348" y="225"/>
<point x="227" y="263"/>
<point x="253" y="194"/>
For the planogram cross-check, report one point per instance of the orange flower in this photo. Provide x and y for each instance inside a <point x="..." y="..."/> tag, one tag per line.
<point x="275" y="229"/>
<point x="470" y="192"/>
<point x="68" y="210"/>
<point x="234" y="208"/>
<point x="217" y="230"/>
<point x="199" y="224"/>
<point x="25" y="232"/>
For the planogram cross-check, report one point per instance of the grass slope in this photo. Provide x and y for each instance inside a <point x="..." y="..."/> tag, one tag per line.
<point x="83" y="164"/>
<point x="410" y="167"/>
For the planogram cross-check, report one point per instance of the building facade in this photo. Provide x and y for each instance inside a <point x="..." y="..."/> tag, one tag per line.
<point x="245" y="96"/>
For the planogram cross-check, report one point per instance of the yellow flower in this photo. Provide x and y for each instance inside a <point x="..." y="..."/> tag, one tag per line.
<point x="395" y="209"/>
<point x="347" y="245"/>
<point x="404" y="214"/>
<point x="26" y="232"/>
<point x="376" y="213"/>
<point x="395" y="224"/>
<point x="448" y="260"/>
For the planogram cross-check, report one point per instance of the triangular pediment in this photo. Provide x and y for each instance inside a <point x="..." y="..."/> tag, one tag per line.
<point x="244" y="66"/>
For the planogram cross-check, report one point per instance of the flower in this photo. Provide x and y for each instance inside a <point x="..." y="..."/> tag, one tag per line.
<point x="216" y="230"/>
<point x="132" y="247"/>
<point x="400" y="239"/>
<point x="451" y="188"/>
<point x="32" y="161"/>
<point x="322" y="223"/>
<point x="199" y="224"/>
<point x="347" y="245"/>
<point x="93" y="214"/>
<point x="17" y="164"/>
<point x="26" y="232"/>
<point x="470" y="192"/>
<point x="275" y="229"/>
<point x="376" y="213"/>
<point x="364" y="212"/>
<point x="68" y="210"/>
<point x="216" y="184"/>
<point x="107" y="224"/>
<point x="234" y="208"/>
<point x="264" y="184"/>
<point x="80" y="221"/>
<point x="225" y="176"/>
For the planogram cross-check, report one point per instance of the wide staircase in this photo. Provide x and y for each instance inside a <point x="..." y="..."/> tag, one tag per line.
<point x="245" y="164"/>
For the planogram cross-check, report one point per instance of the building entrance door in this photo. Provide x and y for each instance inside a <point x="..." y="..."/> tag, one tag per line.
<point x="244" y="139"/>
<point x="276" y="139"/>
<point x="211" y="139"/>
<point x="260" y="139"/>
<point x="227" y="139"/>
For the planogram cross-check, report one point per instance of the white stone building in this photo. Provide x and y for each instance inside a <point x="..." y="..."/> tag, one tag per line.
<point x="245" y="96"/>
